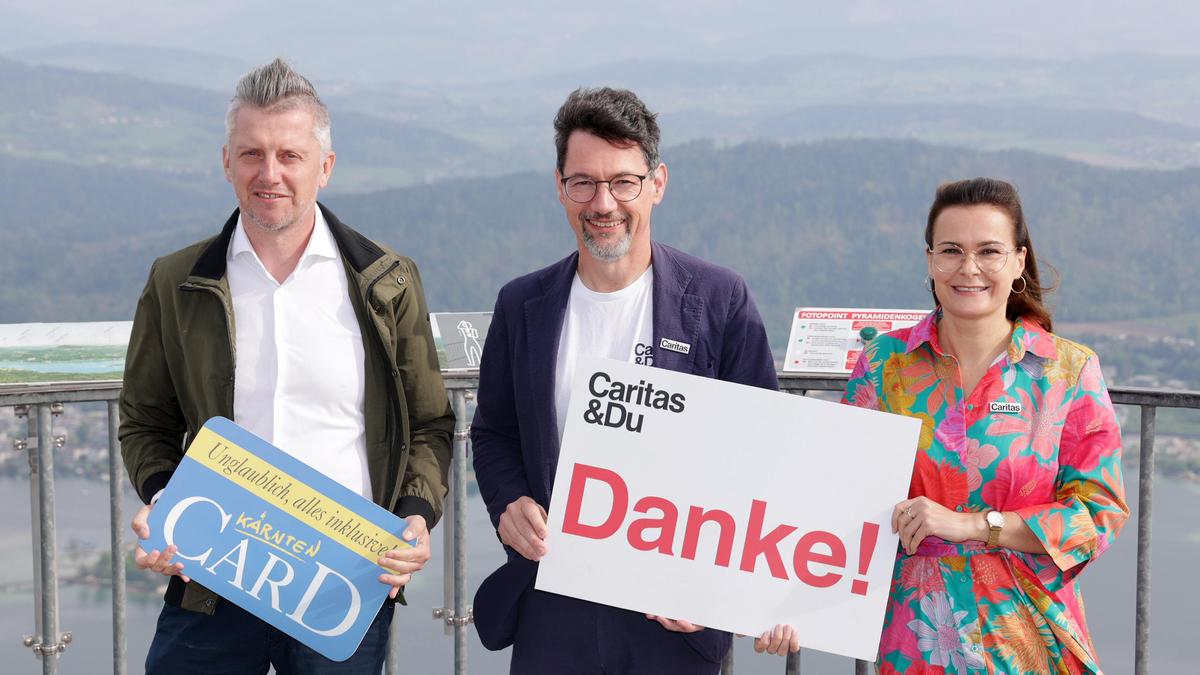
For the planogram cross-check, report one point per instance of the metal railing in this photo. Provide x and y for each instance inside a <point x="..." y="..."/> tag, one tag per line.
<point x="40" y="404"/>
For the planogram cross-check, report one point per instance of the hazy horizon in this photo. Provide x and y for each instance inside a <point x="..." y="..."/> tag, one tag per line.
<point x="426" y="45"/>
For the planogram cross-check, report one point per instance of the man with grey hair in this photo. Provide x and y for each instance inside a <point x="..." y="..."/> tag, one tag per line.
<point x="619" y="295"/>
<point x="328" y="335"/>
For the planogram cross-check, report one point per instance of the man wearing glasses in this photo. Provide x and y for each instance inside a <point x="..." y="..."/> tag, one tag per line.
<point x="622" y="296"/>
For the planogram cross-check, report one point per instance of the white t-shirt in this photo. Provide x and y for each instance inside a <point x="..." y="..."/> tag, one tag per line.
<point x="617" y="325"/>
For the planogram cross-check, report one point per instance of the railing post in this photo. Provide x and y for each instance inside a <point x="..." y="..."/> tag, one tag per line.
<point x="35" y="518"/>
<point x="116" y="483"/>
<point x="448" y="560"/>
<point x="391" y="662"/>
<point x="455" y="613"/>
<point x="1141" y="644"/>
<point x="791" y="665"/>
<point x="50" y="641"/>
<point x="458" y="494"/>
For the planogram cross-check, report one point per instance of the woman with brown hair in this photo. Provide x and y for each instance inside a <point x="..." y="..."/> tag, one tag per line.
<point x="1017" y="484"/>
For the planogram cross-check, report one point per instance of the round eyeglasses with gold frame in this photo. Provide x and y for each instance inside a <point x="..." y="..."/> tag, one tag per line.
<point x="948" y="258"/>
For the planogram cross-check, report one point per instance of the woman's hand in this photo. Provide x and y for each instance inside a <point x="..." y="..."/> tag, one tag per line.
<point x="922" y="517"/>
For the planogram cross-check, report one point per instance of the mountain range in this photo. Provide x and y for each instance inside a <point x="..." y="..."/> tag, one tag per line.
<point x="158" y="108"/>
<point x="103" y="166"/>
<point x="830" y="223"/>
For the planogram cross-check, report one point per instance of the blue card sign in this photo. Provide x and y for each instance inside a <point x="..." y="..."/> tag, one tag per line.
<point x="272" y="535"/>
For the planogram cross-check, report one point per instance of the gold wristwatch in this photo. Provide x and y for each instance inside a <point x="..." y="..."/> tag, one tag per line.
<point x="995" y="521"/>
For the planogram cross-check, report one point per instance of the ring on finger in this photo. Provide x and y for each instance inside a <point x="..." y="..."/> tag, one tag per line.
<point x="908" y="512"/>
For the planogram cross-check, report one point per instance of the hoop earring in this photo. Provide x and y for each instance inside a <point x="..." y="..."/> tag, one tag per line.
<point x="1024" y="285"/>
<point x="928" y="284"/>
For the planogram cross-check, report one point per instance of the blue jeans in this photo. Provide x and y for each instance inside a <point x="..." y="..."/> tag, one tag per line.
<point x="233" y="641"/>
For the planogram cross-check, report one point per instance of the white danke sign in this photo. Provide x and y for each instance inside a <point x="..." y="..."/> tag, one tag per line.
<point x="728" y="506"/>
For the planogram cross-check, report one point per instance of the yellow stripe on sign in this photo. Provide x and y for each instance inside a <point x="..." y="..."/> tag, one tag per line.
<point x="299" y="500"/>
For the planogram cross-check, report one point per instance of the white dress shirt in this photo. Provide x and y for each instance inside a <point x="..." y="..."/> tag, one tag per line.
<point x="299" y="380"/>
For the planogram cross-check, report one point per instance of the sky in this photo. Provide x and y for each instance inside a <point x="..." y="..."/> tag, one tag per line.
<point x="473" y="41"/>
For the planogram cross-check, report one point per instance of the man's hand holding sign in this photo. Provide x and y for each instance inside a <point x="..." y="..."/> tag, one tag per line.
<point x="661" y="493"/>
<point x="155" y="561"/>
<point x="523" y="527"/>
<point x="403" y="562"/>
<point x="282" y="541"/>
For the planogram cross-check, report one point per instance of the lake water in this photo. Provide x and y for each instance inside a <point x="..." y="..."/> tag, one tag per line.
<point x="115" y="366"/>
<point x="83" y="350"/>
<point x="83" y="517"/>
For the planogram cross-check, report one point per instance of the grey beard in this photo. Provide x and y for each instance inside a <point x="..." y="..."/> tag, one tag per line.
<point x="606" y="252"/>
<point x="264" y="225"/>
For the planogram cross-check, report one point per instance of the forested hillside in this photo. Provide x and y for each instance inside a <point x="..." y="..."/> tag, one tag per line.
<point x="827" y="223"/>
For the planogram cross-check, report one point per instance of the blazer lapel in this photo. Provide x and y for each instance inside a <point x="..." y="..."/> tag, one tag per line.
<point x="678" y="314"/>
<point x="543" y="327"/>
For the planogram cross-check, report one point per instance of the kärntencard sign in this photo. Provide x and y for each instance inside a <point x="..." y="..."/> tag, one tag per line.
<point x="733" y="507"/>
<point x="276" y="537"/>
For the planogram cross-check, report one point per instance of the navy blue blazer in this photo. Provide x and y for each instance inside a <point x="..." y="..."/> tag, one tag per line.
<point x="515" y="433"/>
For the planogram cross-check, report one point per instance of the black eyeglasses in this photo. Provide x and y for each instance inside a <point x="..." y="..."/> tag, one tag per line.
<point x="624" y="187"/>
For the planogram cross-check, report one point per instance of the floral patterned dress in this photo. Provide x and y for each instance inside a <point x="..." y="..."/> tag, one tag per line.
<point x="1054" y="458"/>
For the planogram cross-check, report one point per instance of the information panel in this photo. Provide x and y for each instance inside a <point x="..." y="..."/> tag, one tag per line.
<point x="829" y="340"/>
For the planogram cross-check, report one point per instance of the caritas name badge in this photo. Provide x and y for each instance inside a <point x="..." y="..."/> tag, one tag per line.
<point x="277" y="538"/>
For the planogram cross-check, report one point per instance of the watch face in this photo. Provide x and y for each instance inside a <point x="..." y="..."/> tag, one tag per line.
<point x="995" y="519"/>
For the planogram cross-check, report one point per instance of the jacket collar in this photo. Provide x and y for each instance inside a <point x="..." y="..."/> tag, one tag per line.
<point x="359" y="251"/>
<point x="1028" y="337"/>
<point x="543" y="326"/>
<point x="211" y="264"/>
<point x="677" y="313"/>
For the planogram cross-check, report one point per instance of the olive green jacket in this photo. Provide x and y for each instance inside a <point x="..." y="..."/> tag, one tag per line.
<point x="179" y="372"/>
